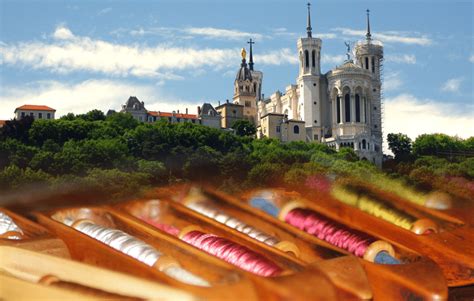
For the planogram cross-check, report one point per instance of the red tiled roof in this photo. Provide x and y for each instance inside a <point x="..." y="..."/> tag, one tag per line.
<point x="35" y="108"/>
<point x="167" y="114"/>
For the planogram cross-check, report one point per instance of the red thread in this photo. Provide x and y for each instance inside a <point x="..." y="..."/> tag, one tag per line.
<point x="233" y="253"/>
<point x="163" y="227"/>
<point x="333" y="232"/>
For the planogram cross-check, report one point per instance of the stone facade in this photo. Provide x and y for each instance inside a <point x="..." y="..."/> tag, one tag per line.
<point x="207" y="115"/>
<point x="277" y="126"/>
<point x="230" y="113"/>
<point x="341" y="107"/>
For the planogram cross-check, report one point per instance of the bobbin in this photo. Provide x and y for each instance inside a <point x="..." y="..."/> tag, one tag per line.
<point x="81" y="221"/>
<point x="438" y="200"/>
<point x="288" y="207"/>
<point x="376" y="247"/>
<point x="48" y="279"/>
<point x="288" y="247"/>
<point x="9" y="234"/>
<point x="188" y="229"/>
<point x="424" y="226"/>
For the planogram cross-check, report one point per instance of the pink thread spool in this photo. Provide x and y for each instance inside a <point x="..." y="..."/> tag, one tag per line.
<point x="356" y="242"/>
<point x="231" y="252"/>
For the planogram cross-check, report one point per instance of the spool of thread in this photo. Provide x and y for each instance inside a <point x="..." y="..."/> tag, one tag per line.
<point x="8" y="228"/>
<point x="51" y="280"/>
<point x="131" y="246"/>
<point x="356" y="242"/>
<point x="230" y="252"/>
<point x="210" y="211"/>
<point x="170" y="229"/>
<point x="384" y="211"/>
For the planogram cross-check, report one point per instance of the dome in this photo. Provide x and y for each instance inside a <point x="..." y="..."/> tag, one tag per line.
<point x="350" y="66"/>
<point x="243" y="73"/>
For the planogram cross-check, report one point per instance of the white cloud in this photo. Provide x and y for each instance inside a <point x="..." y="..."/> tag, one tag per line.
<point x="401" y="58"/>
<point x="452" y="85"/>
<point x="104" y="11"/>
<point x="389" y="36"/>
<point x="410" y="115"/>
<point x="471" y="58"/>
<point x="88" y="95"/>
<point x="219" y="33"/>
<point x="63" y="33"/>
<point x="392" y="81"/>
<point x="69" y="53"/>
<point x="277" y="57"/>
<point x="333" y="59"/>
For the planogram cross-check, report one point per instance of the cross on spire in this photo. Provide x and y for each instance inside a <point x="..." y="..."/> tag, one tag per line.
<point x="368" y="35"/>
<point x="251" y="55"/>
<point x="308" y="27"/>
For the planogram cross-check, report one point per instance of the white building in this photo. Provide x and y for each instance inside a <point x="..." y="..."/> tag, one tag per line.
<point x="35" y="111"/>
<point x="341" y="107"/>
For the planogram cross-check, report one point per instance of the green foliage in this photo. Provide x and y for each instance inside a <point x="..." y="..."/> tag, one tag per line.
<point x="347" y="154"/>
<point x="94" y="115"/>
<point x="116" y="155"/>
<point x="244" y="128"/>
<point x="439" y="145"/>
<point x="400" y="145"/>
<point x="16" y="129"/>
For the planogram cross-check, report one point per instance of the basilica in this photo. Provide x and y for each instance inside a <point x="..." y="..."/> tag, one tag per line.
<point x="341" y="108"/>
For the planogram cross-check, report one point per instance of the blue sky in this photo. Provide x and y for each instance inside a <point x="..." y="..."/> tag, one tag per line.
<point x="80" y="55"/>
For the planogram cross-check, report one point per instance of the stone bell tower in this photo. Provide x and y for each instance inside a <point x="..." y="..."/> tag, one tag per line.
<point x="245" y="90"/>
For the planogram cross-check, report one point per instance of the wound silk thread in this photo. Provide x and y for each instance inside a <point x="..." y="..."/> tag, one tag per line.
<point x="8" y="226"/>
<point x="373" y="207"/>
<point x="137" y="249"/>
<point x="355" y="242"/>
<point x="233" y="253"/>
<point x="170" y="229"/>
<point x="208" y="210"/>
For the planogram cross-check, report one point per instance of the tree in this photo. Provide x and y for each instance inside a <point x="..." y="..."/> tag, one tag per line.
<point x="17" y="129"/>
<point x="93" y="115"/>
<point x="400" y="145"/>
<point x="244" y="128"/>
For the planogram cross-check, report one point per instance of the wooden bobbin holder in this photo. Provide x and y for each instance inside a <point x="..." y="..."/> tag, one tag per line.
<point x="30" y="275"/>
<point x="406" y="278"/>
<point x="225" y="280"/>
<point x="344" y="271"/>
<point x="437" y="234"/>
<point x="169" y="212"/>
<point x="33" y="237"/>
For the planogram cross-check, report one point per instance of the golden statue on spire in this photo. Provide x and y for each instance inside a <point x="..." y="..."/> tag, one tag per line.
<point x="243" y="53"/>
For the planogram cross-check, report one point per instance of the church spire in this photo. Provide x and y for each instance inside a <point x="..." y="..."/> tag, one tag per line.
<point x="308" y="28"/>
<point x="251" y="55"/>
<point x="368" y="35"/>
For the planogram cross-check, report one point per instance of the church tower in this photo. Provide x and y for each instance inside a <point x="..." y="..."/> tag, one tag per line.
<point x="245" y="93"/>
<point x="257" y="76"/>
<point x="369" y="56"/>
<point x="309" y="83"/>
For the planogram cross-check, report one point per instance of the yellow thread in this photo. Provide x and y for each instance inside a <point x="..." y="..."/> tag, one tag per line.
<point x="374" y="207"/>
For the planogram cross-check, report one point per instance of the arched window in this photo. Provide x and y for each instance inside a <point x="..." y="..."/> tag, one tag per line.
<point x="347" y="107"/>
<point x="296" y="129"/>
<point x="357" y="105"/>
<point x="373" y="65"/>
<point x="254" y="87"/>
<point x="313" y="58"/>
<point x="363" y="144"/>
<point x="367" y="63"/>
<point x="306" y="58"/>
<point x="338" y="104"/>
